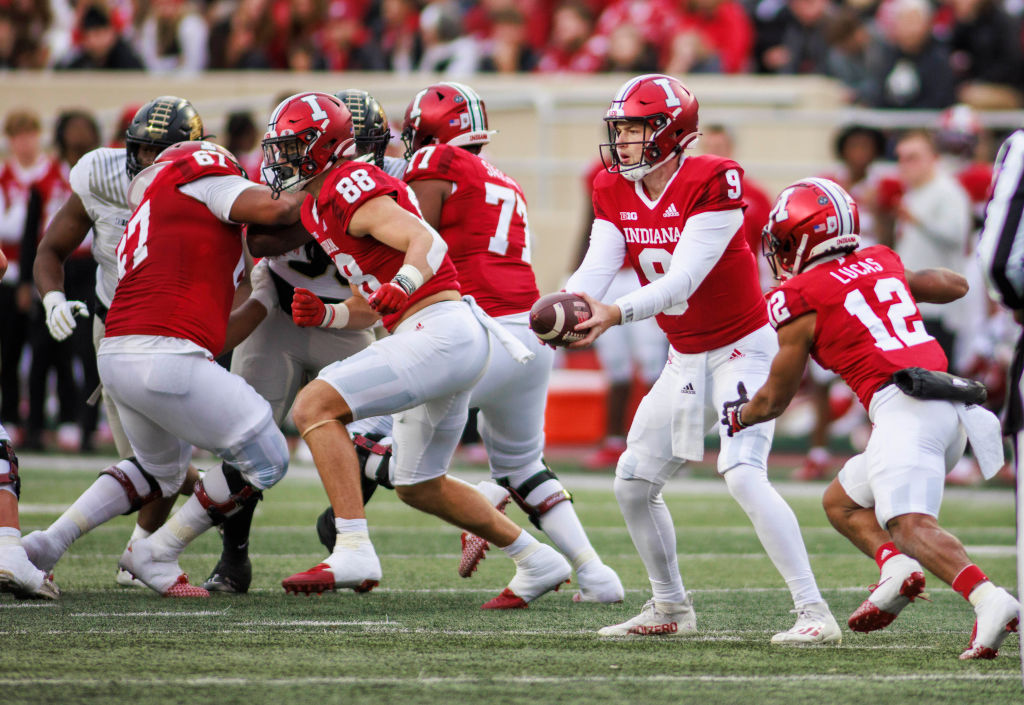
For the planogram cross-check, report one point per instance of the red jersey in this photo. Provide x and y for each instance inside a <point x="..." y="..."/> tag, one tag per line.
<point x="728" y="304"/>
<point x="868" y="325"/>
<point x="484" y="223"/>
<point x="364" y="261"/>
<point x="178" y="265"/>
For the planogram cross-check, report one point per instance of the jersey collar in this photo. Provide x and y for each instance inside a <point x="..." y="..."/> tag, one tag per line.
<point x="638" y="187"/>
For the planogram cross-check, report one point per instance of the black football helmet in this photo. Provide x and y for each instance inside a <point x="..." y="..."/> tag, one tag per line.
<point x="369" y="123"/>
<point x="161" y="122"/>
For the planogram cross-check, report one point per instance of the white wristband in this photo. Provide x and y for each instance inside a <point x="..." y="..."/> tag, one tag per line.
<point x="52" y="299"/>
<point x="410" y="274"/>
<point x="337" y="316"/>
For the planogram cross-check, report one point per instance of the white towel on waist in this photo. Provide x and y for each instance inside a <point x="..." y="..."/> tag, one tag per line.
<point x="688" y="404"/>
<point x="514" y="347"/>
<point x="985" y="435"/>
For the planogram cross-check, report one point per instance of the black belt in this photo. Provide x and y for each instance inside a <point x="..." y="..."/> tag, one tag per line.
<point x="286" y="292"/>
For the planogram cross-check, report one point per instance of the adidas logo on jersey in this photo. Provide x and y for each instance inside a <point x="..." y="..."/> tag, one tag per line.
<point x="671" y="211"/>
<point x="688" y="388"/>
<point x="736" y="354"/>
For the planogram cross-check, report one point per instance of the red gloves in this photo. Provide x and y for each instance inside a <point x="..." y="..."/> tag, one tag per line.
<point x="388" y="299"/>
<point x="307" y="309"/>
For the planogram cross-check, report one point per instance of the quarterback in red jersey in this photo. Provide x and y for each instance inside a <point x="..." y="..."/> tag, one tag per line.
<point x="178" y="263"/>
<point x="678" y="220"/>
<point x="855" y="312"/>
<point x="369" y="224"/>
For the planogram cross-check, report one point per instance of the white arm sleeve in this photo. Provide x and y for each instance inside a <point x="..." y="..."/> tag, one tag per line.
<point x="602" y="262"/>
<point x="218" y="193"/>
<point x="701" y="244"/>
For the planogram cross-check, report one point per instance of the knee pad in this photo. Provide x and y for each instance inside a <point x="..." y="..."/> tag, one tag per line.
<point x="374" y="461"/>
<point x="135" y="500"/>
<point x="534" y="510"/>
<point x="10" y="475"/>
<point x="262" y="457"/>
<point x="240" y="494"/>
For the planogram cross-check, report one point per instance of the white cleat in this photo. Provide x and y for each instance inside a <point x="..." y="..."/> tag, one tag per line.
<point x="657" y="619"/>
<point x="998" y="614"/>
<point x="353" y="567"/>
<point x="162" y="575"/>
<point x="598" y="584"/>
<point x="41" y="550"/>
<point x="19" y="577"/>
<point x="125" y="579"/>
<point x="814" y="625"/>
<point x="900" y="583"/>
<point x="543" y="570"/>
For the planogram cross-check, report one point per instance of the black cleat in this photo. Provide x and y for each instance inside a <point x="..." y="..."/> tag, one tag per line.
<point x="230" y="576"/>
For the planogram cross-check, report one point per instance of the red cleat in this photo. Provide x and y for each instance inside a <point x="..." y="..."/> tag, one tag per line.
<point x="879" y="610"/>
<point x="182" y="588"/>
<point x="507" y="600"/>
<point x="474" y="547"/>
<point x="318" y="579"/>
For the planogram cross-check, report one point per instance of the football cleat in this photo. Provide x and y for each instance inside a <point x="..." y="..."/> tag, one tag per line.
<point x="474" y="547"/>
<point x="163" y="576"/>
<point x="357" y="568"/>
<point x="22" y="579"/>
<point x="598" y="584"/>
<point x="541" y="571"/>
<point x="814" y="625"/>
<point x="657" y="619"/>
<point x="998" y="614"/>
<point x="125" y="579"/>
<point x="230" y="576"/>
<point x="900" y="583"/>
<point x="41" y="550"/>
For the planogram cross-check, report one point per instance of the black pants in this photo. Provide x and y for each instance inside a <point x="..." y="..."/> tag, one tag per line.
<point x="13" y="336"/>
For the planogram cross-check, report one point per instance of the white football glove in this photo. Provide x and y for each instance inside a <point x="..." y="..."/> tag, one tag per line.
<point x="263" y="289"/>
<point x="60" y="314"/>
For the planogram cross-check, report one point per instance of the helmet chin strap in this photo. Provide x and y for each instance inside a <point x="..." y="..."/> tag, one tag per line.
<point x="642" y="170"/>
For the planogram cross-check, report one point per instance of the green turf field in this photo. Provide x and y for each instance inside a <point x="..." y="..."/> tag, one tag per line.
<point x="421" y="638"/>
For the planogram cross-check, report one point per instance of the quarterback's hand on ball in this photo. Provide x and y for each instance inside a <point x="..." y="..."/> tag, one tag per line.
<point x="388" y="299"/>
<point x="602" y="317"/>
<point x="60" y="314"/>
<point x="731" y="411"/>
<point x="308" y="310"/>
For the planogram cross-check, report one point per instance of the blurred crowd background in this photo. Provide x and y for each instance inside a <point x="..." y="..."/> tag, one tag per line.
<point x="887" y="53"/>
<point x="925" y="94"/>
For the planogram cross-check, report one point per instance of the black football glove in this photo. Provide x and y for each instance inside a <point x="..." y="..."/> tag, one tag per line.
<point x="731" y="412"/>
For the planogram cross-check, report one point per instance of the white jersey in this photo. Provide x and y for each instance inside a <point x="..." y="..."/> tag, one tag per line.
<point x="309" y="267"/>
<point x="100" y="180"/>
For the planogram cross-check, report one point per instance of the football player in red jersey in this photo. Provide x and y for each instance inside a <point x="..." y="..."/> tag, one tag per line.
<point x="17" y="574"/>
<point x="481" y="214"/>
<point x="369" y="224"/>
<point x="178" y="263"/>
<point x="678" y="220"/>
<point x="855" y="312"/>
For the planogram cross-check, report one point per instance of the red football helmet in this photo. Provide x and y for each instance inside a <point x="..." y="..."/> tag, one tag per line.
<point x="666" y="107"/>
<point x="445" y="113"/>
<point x="306" y="134"/>
<point x="811" y="219"/>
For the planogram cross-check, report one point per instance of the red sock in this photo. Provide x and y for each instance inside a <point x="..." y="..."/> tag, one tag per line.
<point x="968" y="579"/>
<point x="885" y="552"/>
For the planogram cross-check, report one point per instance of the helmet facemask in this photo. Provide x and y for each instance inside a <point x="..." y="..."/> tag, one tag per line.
<point x="650" y="156"/>
<point x="288" y="165"/>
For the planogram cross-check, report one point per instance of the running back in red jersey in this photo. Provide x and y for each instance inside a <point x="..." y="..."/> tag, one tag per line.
<point x="484" y="223"/>
<point x="728" y="304"/>
<point x="365" y="261"/>
<point x="868" y="324"/>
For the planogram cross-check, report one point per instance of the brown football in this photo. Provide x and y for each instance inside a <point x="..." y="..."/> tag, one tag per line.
<point x="553" y="317"/>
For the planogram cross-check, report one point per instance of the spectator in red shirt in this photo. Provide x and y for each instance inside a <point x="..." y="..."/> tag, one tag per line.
<point x="712" y="35"/>
<point x="572" y="46"/>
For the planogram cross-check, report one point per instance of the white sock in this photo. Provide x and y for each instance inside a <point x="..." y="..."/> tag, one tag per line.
<point x="139" y="533"/>
<point x="9" y="536"/>
<point x="101" y="502"/>
<point x="522" y="547"/>
<point x="184" y="525"/>
<point x="776" y="527"/>
<point x="654" y="535"/>
<point x="562" y="526"/>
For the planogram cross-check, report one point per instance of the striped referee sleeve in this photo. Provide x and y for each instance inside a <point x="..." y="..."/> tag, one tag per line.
<point x="1001" y="250"/>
